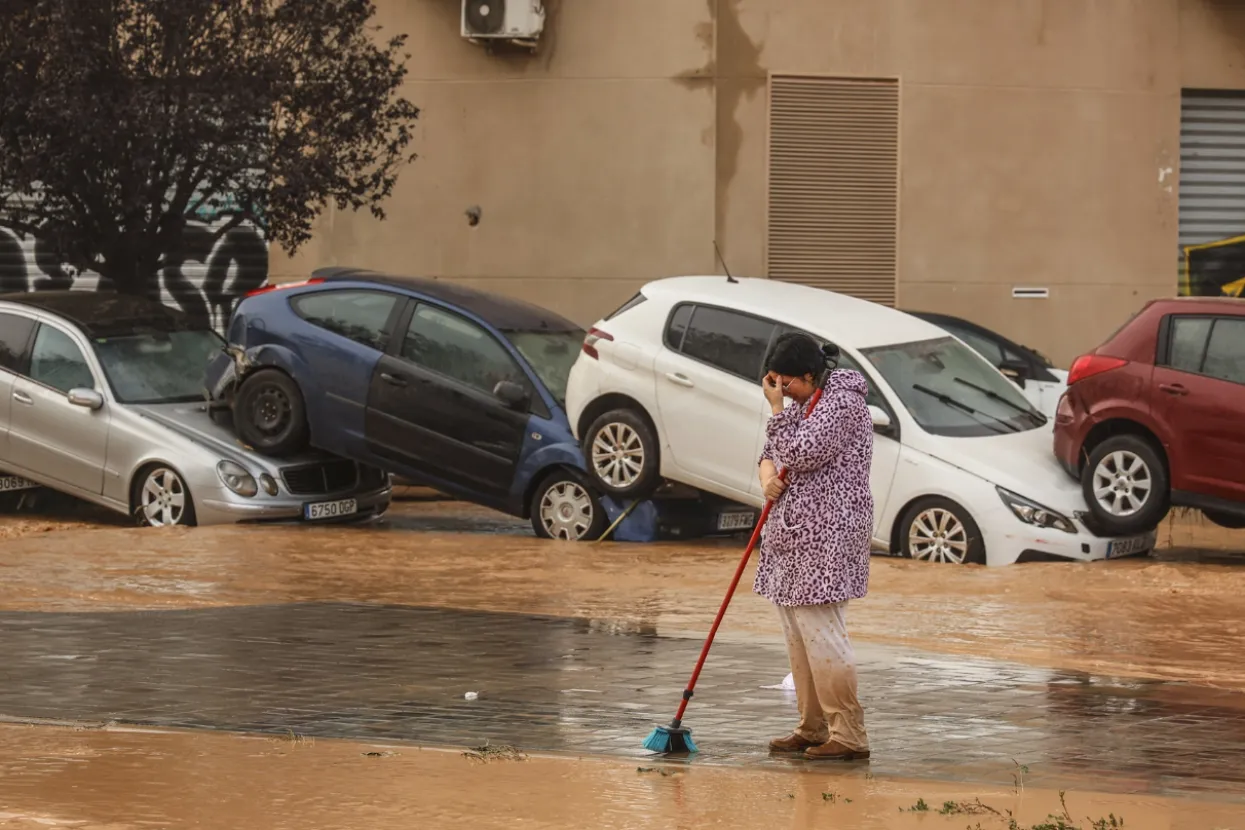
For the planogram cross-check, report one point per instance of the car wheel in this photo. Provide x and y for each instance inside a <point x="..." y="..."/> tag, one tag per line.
<point x="939" y="530"/>
<point x="1125" y="486"/>
<point x="270" y="414"/>
<point x="564" y="507"/>
<point x="162" y="499"/>
<point x="1230" y="521"/>
<point x="621" y="450"/>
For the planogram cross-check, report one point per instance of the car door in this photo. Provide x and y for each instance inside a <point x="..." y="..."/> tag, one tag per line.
<point x="432" y="405"/>
<point x="49" y="436"/>
<point x="15" y="331"/>
<point x="886" y="442"/>
<point x="355" y="330"/>
<point x="709" y="396"/>
<point x="1197" y="396"/>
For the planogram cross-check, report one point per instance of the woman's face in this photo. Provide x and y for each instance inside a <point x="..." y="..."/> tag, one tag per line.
<point x="796" y="387"/>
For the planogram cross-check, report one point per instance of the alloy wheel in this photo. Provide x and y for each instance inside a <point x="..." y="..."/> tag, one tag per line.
<point x="567" y="511"/>
<point x="163" y="498"/>
<point x="1122" y="483"/>
<point x="938" y="535"/>
<point x="618" y="455"/>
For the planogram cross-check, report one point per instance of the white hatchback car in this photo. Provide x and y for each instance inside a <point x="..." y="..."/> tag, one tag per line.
<point x="668" y="387"/>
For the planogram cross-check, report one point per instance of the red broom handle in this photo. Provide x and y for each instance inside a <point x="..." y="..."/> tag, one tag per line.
<point x="730" y="592"/>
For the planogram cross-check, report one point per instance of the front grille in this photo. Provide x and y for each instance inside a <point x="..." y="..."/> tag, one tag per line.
<point x="319" y="479"/>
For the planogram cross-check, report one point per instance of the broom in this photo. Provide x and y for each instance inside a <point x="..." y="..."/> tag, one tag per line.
<point x="676" y="737"/>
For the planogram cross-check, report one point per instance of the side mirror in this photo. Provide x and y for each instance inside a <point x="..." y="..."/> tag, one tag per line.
<point x="88" y="398"/>
<point x="880" y="419"/>
<point x="512" y="395"/>
<point x="1015" y="370"/>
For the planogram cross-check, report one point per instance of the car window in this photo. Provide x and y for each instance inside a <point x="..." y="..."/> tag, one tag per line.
<point x="358" y="315"/>
<point x="56" y="361"/>
<point x="458" y="348"/>
<point x="1188" y="343"/>
<point x="677" y="326"/>
<point x="984" y="346"/>
<point x="1225" y="353"/>
<point x="733" y="342"/>
<point x="14" y="334"/>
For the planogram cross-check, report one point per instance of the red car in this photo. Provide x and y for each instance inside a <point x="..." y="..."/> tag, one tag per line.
<point x="1155" y="417"/>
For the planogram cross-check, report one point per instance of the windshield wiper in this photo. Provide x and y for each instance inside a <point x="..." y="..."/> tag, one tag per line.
<point x="995" y="396"/>
<point x="956" y="404"/>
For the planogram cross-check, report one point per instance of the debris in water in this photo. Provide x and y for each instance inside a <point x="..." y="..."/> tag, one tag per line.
<point x="488" y="752"/>
<point x="471" y="695"/>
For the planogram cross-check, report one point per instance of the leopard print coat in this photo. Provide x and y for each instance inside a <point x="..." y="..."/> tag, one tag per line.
<point x="815" y="546"/>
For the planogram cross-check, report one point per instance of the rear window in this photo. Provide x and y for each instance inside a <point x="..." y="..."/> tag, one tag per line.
<point x="627" y="306"/>
<point x="14" y="334"/>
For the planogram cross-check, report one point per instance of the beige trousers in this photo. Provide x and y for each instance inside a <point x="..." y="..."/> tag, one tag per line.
<point x="823" y="665"/>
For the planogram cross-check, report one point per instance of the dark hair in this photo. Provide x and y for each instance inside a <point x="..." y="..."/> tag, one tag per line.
<point x="796" y="355"/>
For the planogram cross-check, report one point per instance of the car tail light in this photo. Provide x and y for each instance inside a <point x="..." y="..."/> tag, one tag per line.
<point x="282" y="285"/>
<point x="1088" y="365"/>
<point x="595" y="336"/>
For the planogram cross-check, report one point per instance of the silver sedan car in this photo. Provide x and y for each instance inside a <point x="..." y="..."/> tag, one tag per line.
<point x="101" y="397"/>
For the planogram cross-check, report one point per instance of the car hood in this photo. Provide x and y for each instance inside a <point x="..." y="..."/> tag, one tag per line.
<point x="1022" y="462"/>
<point x="192" y="422"/>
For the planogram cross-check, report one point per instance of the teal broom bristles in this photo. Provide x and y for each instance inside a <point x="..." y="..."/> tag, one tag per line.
<point x="670" y="739"/>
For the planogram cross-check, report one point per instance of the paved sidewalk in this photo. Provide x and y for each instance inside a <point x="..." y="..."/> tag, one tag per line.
<point x="400" y="673"/>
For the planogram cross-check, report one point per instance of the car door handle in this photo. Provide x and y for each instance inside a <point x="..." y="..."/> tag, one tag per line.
<point x="396" y="380"/>
<point x="1173" y="388"/>
<point x="22" y="397"/>
<point x="680" y="379"/>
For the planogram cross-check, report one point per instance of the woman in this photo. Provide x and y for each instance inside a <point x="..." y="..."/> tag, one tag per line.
<point x="815" y="548"/>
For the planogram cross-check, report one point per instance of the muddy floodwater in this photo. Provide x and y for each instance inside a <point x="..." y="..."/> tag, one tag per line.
<point x="1178" y="616"/>
<point x="119" y="779"/>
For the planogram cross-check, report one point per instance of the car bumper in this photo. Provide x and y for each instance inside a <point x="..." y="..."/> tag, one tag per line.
<point x="225" y="507"/>
<point x="1009" y="540"/>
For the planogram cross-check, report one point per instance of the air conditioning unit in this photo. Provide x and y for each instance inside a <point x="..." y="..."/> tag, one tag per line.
<point x="486" y="21"/>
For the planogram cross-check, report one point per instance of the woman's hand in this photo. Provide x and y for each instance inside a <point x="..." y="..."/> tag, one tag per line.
<point x="774" y="487"/>
<point x="771" y="385"/>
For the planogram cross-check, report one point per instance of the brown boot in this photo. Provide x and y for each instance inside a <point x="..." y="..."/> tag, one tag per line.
<point x="835" y="751"/>
<point x="791" y="743"/>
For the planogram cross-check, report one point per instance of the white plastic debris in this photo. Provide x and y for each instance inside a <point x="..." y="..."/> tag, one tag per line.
<point x="471" y="695"/>
<point x="787" y="684"/>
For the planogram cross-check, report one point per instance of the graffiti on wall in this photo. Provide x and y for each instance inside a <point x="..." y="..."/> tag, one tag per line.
<point x="206" y="281"/>
<point x="1214" y="269"/>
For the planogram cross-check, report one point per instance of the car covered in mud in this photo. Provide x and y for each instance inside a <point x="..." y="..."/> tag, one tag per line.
<point x="668" y="388"/>
<point x="101" y="398"/>
<point x="442" y="384"/>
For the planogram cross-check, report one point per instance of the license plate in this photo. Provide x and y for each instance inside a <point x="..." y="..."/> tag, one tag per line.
<point x="330" y="509"/>
<point x="9" y="484"/>
<point x="1129" y="547"/>
<point x="736" y="521"/>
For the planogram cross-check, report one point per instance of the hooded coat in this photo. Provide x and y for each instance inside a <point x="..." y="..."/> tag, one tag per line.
<point x="815" y="546"/>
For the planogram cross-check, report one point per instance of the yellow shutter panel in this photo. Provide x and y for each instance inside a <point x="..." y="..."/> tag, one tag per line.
<point x="833" y="184"/>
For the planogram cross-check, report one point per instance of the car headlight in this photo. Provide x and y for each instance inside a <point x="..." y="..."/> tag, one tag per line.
<point x="237" y="479"/>
<point x="1030" y="512"/>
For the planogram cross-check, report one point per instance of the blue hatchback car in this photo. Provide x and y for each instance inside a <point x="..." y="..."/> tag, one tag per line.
<point x="440" y="383"/>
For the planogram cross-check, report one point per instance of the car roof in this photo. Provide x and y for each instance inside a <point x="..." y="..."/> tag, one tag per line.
<point x="847" y="321"/>
<point x="1235" y="304"/>
<point x="104" y="313"/>
<point x="498" y="310"/>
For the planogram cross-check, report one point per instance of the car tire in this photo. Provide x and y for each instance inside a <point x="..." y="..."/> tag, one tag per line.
<point x="935" y="529"/>
<point x="162" y="499"/>
<point x="270" y="415"/>
<point x="1125" y="485"/>
<point x="621" y="451"/>
<point x="1231" y="521"/>
<point x="565" y="507"/>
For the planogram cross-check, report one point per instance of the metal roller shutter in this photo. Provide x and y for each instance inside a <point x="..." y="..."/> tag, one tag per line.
<point x="1212" y="192"/>
<point x="833" y="184"/>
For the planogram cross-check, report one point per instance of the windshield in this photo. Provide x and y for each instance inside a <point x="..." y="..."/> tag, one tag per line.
<point x="551" y="355"/>
<point x="157" y="367"/>
<point x="950" y="390"/>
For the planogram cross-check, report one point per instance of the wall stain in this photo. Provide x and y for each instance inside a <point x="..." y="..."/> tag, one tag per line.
<point x="737" y="51"/>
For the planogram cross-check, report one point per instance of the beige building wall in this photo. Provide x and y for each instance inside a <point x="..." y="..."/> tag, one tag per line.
<point x="1034" y="136"/>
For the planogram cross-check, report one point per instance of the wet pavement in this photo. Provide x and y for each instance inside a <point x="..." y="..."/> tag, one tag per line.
<point x="342" y="670"/>
<point x="1126" y="674"/>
